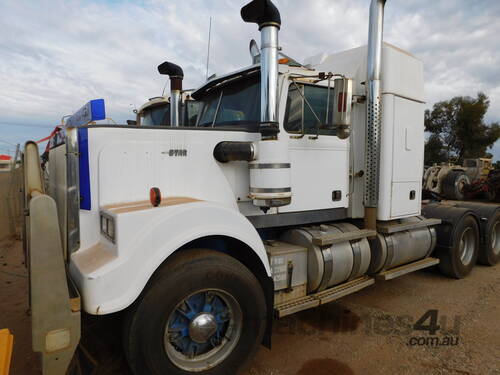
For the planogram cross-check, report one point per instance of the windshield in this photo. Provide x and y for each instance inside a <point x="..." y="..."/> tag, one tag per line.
<point x="237" y="103"/>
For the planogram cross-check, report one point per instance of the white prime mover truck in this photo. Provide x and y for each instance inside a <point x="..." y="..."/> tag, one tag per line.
<point x="295" y="186"/>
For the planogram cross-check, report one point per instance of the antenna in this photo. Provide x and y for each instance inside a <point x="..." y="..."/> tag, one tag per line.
<point x="164" y="88"/>
<point x="208" y="48"/>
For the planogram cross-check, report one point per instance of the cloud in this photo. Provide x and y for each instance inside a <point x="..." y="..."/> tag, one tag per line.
<point x="55" y="55"/>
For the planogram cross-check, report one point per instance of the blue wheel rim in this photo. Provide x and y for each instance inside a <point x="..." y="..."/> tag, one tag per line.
<point x="196" y="350"/>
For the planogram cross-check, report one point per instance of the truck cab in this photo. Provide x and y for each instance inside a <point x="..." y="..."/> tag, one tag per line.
<point x="266" y="191"/>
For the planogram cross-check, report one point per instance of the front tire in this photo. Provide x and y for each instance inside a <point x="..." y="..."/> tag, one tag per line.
<point x="203" y="312"/>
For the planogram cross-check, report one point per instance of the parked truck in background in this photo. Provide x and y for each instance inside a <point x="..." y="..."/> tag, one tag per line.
<point x="156" y="111"/>
<point x="296" y="185"/>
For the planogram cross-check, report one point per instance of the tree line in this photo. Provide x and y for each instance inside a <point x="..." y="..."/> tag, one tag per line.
<point x="458" y="130"/>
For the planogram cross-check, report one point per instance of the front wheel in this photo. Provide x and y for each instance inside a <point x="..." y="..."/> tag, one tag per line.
<point x="203" y="312"/>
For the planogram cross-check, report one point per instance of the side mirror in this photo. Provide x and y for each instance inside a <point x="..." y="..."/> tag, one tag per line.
<point x="342" y="106"/>
<point x="254" y="52"/>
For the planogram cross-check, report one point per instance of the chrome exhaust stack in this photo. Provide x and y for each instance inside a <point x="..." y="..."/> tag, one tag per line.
<point x="265" y="14"/>
<point x="176" y="76"/>
<point x="270" y="177"/>
<point x="373" y="112"/>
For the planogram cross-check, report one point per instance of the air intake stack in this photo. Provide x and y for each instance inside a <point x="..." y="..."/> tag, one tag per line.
<point x="270" y="174"/>
<point x="373" y="113"/>
<point x="176" y="76"/>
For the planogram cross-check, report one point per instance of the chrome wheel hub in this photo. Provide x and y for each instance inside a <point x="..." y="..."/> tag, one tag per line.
<point x="495" y="238"/>
<point x="202" y="327"/>
<point x="203" y="330"/>
<point x="467" y="246"/>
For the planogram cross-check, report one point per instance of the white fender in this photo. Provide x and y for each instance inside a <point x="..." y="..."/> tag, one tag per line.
<point x="111" y="276"/>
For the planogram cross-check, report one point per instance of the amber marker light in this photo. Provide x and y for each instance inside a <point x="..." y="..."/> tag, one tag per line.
<point x="155" y="196"/>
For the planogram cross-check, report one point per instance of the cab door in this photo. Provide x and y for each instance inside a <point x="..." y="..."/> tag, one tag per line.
<point x="319" y="159"/>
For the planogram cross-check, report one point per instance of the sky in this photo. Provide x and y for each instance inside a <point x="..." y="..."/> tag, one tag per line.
<point x="55" y="55"/>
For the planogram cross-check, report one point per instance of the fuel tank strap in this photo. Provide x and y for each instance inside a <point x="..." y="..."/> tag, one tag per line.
<point x="388" y="228"/>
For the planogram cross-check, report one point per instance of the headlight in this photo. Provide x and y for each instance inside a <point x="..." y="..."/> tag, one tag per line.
<point x="108" y="227"/>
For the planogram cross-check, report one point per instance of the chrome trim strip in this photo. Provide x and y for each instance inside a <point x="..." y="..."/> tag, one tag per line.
<point x="269" y="165"/>
<point x="403" y="97"/>
<point x="72" y="241"/>
<point x="270" y="190"/>
<point x="328" y="267"/>
<point x="356" y="252"/>
<point x="390" y="252"/>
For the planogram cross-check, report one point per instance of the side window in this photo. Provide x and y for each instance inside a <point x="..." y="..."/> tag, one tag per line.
<point x="294" y="110"/>
<point x="299" y="115"/>
<point x="191" y="114"/>
<point x="157" y="115"/>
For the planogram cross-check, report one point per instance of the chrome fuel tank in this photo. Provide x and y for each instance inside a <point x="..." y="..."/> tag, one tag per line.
<point x="395" y="249"/>
<point x="332" y="264"/>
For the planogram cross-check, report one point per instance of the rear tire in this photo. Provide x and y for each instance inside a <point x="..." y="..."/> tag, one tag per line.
<point x="203" y="312"/>
<point x="458" y="261"/>
<point x="489" y="253"/>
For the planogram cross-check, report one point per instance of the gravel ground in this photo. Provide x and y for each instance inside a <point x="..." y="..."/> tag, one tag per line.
<point x="370" y="332"/>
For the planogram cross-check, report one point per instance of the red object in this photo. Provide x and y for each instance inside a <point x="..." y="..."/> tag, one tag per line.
<point x="54" y="132"/>
<point x="342" y="105"/>
<point x="155" y="196"/>
<point x="56" y="129"/>
<point x="46" y="138"/>
<point x="5" y="157"/>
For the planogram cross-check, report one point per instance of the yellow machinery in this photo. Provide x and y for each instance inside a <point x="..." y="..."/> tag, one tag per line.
<point x="6" y="343"/>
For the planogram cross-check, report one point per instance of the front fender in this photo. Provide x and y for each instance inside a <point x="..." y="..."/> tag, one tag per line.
<point x="111" y="276"/>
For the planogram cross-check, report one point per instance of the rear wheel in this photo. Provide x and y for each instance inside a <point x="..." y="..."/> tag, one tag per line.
<point x="489" y="253"/>
<point x="459" y="260"/>
<point x="203" y="312"/>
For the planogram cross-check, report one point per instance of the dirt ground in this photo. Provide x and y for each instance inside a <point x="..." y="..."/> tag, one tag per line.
<point x="371" y="332"/>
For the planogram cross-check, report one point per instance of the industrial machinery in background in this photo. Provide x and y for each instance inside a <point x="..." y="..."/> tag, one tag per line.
<point x="475" y="179"/>
<point x="292" y="186"/>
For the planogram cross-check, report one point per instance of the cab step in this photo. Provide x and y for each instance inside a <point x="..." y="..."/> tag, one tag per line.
<point x="406" y="268"/>
<point x="323" y="297"/>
